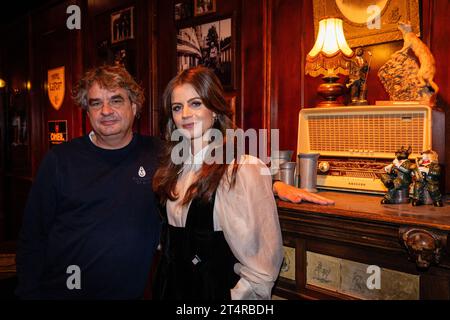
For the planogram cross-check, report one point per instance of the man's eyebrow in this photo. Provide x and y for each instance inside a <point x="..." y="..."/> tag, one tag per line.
<point x="117" y="96"/>
<point x="94" y="100"/>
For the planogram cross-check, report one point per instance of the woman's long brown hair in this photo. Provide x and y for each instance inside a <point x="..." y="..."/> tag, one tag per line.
<point x="210" y="91"/>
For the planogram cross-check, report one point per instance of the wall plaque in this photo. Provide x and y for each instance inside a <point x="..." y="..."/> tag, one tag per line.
<point x="57" y="132"/>
<point x="56" y="87"/>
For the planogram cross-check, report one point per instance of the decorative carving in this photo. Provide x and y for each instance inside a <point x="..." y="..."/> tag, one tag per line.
<point x="424" y="247"/>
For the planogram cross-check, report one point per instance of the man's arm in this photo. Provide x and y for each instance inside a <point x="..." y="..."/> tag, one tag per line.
<point x="289" y="193"/>
<point x="37" y="219"/>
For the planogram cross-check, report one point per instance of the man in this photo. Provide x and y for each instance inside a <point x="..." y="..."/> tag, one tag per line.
<point x="91" y="224"/>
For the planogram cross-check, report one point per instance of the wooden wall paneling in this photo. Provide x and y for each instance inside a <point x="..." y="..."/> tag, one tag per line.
<point x="440" y="48"/>
<point x="267" y="63"/>
<point x="15" y="174"/>
<point x="286" y="70"/>
<point x="252" y="70"/>
<point x="2" y="105"/>
<point x="142" y="42"/>
<point x="47" y="43"/>
<point x="54" y="45"/>
<point x="16" y="73"/>
<point x="166" y="58"/>
<point x="2" y="148"/>
<point x="153" y="68"/>
<point x="37" y="127"/>
<point x="310" y="84"/>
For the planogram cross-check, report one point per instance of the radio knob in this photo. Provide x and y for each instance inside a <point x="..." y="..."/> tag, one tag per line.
<point x="324" y="166"/>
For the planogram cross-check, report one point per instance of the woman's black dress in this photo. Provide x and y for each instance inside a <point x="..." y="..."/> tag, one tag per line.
<point x="196" y="263"/>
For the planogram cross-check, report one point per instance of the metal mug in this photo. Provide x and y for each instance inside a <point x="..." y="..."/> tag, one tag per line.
<point x="287" y="172"/>
<point x="277" y="159"/>
<point x="308" y="171"/>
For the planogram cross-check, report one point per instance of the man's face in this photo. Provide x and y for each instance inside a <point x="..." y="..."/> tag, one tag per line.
<point x="111" y="114"/>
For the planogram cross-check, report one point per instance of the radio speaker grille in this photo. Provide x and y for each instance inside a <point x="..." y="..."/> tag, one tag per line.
<point x="379" y="133"/>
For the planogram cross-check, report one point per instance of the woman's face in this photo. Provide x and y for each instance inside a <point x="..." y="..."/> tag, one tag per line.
<point x="189" y="113"/>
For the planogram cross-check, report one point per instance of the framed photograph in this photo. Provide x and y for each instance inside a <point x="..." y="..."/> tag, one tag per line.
<point x="202" y="7"/>
<point x="122" y="25"/>
<point x="368" y="22"/>
<point x="211" y="45"/>
<point x="182" y="10"/>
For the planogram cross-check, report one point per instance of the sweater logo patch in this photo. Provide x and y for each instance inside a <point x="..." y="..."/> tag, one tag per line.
<point x="141" y="172"/>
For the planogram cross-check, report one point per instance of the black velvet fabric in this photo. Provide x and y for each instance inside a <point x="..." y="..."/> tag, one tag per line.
<point x="197" y="263"/>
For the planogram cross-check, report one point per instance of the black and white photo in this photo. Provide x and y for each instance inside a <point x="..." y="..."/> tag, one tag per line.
<point x="122" y="27"/>
<point x="210" y="45"/>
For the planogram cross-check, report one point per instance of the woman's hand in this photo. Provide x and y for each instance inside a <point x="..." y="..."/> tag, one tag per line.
<point x="289" y="193"/>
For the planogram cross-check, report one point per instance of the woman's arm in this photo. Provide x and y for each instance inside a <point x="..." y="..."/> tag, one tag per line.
<point x="248" y="216"/>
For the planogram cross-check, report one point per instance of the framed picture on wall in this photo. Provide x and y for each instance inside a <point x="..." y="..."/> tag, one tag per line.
<point x="211" y="45"/>
<point x="369" y="22"/>
<point x="202" y="7"/>
<point x="182" y="10"/>
<point x="122" y="25"/>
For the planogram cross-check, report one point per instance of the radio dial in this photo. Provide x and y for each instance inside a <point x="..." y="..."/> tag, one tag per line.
<point x="324" y="166"/>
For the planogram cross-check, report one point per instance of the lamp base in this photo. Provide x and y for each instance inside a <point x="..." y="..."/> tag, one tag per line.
<point x="330" y="91"/>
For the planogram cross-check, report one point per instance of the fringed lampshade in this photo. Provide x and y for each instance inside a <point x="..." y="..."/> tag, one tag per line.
<point x="330" y="56"/>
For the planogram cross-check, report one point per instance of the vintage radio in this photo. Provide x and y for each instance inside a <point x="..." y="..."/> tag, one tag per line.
<point x="356" y="143"/>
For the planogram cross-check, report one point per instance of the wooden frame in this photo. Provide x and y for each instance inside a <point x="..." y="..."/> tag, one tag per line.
<point x="182" y="10"/>
<point x="364" y="25"/>
<point x="122" y="25"/>
<point x="202" y="7"/>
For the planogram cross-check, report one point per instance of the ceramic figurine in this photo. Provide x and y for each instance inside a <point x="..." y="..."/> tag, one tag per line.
<point x="357" y="79"/>
<point x="423" y="53"/>
<point x="426" y="180"/>
<point x="408" y="74"/>
<point x="398" y="178"/>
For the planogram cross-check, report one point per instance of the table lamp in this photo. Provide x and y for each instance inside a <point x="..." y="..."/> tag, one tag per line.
<point x="330" y="56"/>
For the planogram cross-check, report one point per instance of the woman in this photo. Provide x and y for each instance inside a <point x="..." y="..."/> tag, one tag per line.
<point x="222" y="237"/>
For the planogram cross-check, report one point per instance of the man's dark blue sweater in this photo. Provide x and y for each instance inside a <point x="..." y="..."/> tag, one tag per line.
<point x="91" y="213"/>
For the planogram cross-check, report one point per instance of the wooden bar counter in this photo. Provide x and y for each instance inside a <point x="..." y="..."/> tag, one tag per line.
<point x="361" y="249"/>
